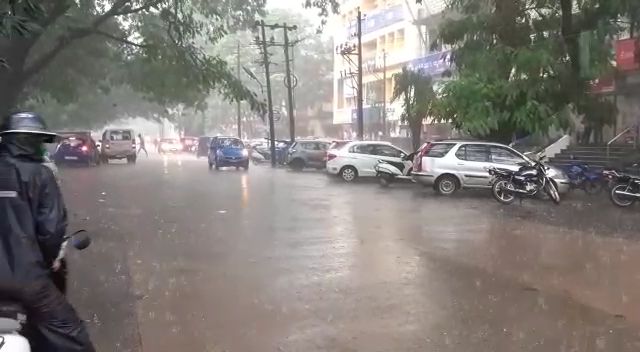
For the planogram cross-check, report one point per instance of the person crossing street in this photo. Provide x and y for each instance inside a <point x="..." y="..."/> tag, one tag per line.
<point x="141" y="144"/>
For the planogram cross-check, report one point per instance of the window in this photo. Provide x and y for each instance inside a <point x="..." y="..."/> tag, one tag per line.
<point x="386" y="150"/>
<point x="439" y="150"/>
<point x="501" y="155"/>
<point x="120" y="135"/>
<point x="473" y="152"/>
<point x="362" y="149"/>
<point x="309" y="146"/>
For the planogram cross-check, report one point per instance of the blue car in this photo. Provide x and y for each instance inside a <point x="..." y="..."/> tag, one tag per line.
<point x="228" y="151"/>
<point x="76" y="148"/>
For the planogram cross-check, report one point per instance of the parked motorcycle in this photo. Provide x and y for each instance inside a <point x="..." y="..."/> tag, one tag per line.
<point x="586" y="178"/>
<point x="13" y="316"/>
<point x="389" y="172"/>
<point x="528" y="181"/>
<point x="626" y="190"/>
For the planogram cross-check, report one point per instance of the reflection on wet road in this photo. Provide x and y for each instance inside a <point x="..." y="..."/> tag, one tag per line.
<point x="270" y="260"/>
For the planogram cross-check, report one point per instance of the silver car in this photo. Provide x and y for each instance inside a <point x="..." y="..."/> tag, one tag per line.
<point x="452" y="165"/>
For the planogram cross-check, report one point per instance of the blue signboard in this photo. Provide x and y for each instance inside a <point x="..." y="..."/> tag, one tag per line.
<point x="378" y="20"/>
<point x="434" y="64"/>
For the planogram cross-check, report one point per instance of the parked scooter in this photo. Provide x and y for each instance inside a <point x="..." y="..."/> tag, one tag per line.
<point x="13" y="316"/>
<point x="389" y="172"/>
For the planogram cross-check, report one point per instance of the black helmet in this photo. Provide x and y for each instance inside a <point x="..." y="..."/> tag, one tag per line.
<point x="26" y="123"/>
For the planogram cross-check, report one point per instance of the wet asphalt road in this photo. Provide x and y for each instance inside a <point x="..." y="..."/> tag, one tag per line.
<point x="188" y="259"/>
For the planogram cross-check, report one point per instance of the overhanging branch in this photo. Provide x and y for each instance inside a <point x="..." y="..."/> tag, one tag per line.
<point x="118" y="39"/>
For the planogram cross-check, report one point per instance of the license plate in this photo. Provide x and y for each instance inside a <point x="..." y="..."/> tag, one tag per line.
<point x="70" y="158"/>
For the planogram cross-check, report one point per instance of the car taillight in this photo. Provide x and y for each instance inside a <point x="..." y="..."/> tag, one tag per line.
<point x="107" y="146"/>
<point x="331" y="156"/>
<point x="84" y="148"/>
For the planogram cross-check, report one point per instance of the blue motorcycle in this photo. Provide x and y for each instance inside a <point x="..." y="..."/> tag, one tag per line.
<point x="588" y="179"/>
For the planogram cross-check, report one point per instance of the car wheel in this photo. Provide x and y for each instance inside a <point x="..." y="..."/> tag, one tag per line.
<point x="447" y="185"/>
<point x="246" y="166"/>
<point x="210" y="166"/>
<point x="385" y="180"/>
<point x="217" y="167"/>
<point x="349" y="173"/>
<point x="297" y="164"/>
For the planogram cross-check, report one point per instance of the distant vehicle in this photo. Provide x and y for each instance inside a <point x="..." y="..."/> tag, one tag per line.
<point x="77" y="148"/>
<point x="359" y="159"/>
<point x="454" y="164"/>
<point x="228" y="151"/>
<point x="189" y="144"/>
<point x="307" y="153"/>
<point x="203" y="146"/>
<point x="118" y="144"/>
<point x="170" y="145"/>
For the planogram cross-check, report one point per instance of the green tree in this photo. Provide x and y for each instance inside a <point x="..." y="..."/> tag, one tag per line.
<point x="157" y="46"/>
<point x="524" y="65"/>
<point x="313" y="66"/>
<point x="415" y="89"/>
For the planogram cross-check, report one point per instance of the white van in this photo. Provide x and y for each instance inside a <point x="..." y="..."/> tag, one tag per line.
<point x="118" y="144"/>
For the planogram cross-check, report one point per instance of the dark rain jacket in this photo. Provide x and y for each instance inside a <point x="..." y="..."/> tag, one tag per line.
<point x="33" y="220"/>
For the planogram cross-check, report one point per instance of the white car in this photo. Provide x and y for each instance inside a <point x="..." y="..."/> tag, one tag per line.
<point x="358" y="159"/>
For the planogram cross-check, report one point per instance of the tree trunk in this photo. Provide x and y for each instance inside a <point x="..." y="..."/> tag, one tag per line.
<point x="13" y="78"/>
<point x="570" y="36"/>
<point x="416" y="134"/>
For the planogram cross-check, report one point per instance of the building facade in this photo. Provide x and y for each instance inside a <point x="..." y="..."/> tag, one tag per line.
<point x="395" y="34"/>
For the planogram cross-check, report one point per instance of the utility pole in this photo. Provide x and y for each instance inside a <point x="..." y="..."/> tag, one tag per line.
<point x="289" y="83"/>
<point x="265" y="59"/>
<point x="360" y="104"/>
<point x="384" y="93"/>
<point x="239" y="103"/>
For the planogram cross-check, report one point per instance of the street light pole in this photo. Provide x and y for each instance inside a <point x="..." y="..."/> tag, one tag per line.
<point x="239" y="107"/>
<point x="265" y="58"/>
<point x="384" y="93"/>
<point x="360" y="103"/>
<point x="289" y="82"/>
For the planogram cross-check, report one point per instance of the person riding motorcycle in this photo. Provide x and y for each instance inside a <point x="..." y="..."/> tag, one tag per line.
<point x="33" y="221"/>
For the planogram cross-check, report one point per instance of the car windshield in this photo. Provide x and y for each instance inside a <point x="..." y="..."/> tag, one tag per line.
<point x="231" y="143"/>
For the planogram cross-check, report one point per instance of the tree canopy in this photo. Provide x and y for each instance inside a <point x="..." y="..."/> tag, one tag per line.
<point x="415" y="90"/>
<point x="524" y="65"/>
<point x="62" y="49"/>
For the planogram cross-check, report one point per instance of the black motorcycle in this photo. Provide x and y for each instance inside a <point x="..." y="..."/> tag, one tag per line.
<point x="528" y="181"/>
<point x="626" y="190"/>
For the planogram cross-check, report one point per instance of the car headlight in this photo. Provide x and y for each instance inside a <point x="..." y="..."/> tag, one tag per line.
<point x="219" y="153"/>
<point x="245" y="152"/>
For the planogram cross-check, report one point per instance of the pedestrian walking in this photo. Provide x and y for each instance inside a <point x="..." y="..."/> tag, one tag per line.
<point x="141" y="144"/>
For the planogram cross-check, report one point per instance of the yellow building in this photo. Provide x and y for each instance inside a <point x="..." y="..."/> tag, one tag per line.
<point x="395" y="34"/>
